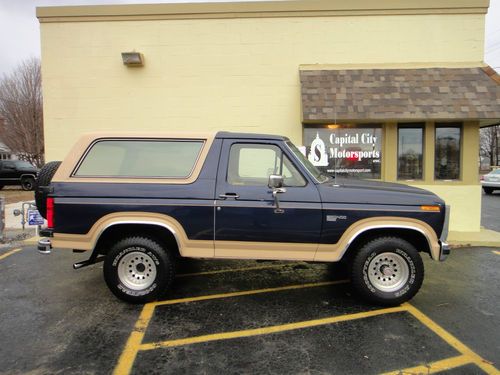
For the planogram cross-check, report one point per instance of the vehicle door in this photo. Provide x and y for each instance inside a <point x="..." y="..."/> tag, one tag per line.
<point x="252" y="223"/>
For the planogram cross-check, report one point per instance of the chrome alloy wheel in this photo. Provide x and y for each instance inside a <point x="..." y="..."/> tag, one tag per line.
<point x="388" y="272"/>
<point x="137" y="270"/>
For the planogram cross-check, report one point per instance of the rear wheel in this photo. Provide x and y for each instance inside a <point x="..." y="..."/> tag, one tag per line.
<point x="138" y="269"/>
<point x="488" y="190"/>
<point x="28" y="183"/>
<point x="387" y="271"/>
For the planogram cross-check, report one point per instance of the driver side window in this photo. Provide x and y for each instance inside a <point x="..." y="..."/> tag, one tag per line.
<point x="252" y="164"/>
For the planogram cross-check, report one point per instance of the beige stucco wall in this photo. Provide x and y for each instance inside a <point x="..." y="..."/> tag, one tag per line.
<point x="464" y="195"/>
<point x="238" y="74"/>
<point x="233" y="74"/>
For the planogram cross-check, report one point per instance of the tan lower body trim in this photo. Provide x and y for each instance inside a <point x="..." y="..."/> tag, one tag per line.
<point x="265" y="250"/>
<point x="246" y="249"/>
<point x="335" y="252"/>
<point x="88" y="241"/>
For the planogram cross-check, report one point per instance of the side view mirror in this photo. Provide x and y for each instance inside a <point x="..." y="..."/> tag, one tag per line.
<point x="275" y="181"/>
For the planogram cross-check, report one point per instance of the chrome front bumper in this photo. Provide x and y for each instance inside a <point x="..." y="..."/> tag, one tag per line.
<point x="444" y="249"/>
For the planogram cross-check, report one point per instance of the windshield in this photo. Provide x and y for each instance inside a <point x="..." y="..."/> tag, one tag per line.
<point x="317" y="174"/>
<point x="23" y="164"/>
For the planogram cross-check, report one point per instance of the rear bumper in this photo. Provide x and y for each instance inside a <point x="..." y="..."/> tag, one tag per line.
<point x="491" y="184"/>
<point x="46" y="232"/>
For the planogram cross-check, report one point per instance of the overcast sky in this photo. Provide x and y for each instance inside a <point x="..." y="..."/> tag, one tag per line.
<point x="20" y="38"/>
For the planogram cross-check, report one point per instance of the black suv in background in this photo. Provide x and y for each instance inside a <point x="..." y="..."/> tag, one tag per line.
<point x="17" y="172"/>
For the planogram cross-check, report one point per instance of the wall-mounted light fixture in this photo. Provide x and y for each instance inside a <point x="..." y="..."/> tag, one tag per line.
<point x="133" y="58"/>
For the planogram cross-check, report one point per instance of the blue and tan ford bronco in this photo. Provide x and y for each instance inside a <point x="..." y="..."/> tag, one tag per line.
<point x="140" y="201"/>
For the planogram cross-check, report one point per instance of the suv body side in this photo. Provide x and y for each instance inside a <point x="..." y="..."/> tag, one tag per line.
<point x="317" y="222"/>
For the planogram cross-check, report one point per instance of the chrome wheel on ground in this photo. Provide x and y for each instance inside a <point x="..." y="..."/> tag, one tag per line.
<point x="138" y="269"/>
<point x="387" y="271"/>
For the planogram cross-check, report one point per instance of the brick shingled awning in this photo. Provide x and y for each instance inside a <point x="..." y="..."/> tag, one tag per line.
<point x="400" y="94"/>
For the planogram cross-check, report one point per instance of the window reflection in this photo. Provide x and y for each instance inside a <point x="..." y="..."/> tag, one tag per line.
<point x="447" y="153"/>
<point x="410" y="152"/>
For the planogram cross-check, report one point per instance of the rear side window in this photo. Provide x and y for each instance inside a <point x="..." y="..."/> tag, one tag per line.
<point x="140" y="159"/>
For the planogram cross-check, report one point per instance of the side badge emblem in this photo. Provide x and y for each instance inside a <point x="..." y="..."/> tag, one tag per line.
<point x="335" y="217"/>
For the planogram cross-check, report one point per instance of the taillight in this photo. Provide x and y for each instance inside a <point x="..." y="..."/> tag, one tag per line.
<point x="50" y="212"/>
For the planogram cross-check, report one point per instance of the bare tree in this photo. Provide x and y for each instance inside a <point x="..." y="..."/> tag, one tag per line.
<point x="21" y="109"/>
<point x="489" y="144"/>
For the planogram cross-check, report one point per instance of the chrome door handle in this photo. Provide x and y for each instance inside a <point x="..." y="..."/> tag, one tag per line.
<point x="229" y="195"/>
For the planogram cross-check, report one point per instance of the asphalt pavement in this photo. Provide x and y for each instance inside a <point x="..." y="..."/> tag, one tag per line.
<point x="246" y="317"/>
<point x="490" y="211"/>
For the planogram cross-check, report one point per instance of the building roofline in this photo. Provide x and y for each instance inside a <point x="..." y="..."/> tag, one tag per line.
<point x="259" y="9"/>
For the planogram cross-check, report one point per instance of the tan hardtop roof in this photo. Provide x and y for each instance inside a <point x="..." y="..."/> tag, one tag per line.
<point x="148" y="134"/>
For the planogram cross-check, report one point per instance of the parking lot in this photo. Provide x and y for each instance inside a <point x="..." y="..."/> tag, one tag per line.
<point x="490" y="211"/>
<point x="247" y="317"/>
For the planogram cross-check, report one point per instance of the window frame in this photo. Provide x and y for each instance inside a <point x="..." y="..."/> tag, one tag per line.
<point x="455" y="125"/>
<point x="283" y="153"/>
<point x="141" y="139"/>
<point x="411" y="125"/>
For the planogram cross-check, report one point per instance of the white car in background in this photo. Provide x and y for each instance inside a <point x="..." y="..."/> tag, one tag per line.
<point x="491" y="181"/>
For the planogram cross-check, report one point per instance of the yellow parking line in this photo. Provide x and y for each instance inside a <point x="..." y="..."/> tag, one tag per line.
<point x="268" y="330"/>
<point x="235" y="270"/>
<point x="133" y="345"/>
<point x="452" y="340"/>
<point x="432" y="368"/>
<point x="496" y="252"/>
<point x="9" y="253"/>
<point x="247" y="292"/>
<point x="128" y="355"/>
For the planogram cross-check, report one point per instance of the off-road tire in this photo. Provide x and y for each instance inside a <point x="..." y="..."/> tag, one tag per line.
<point x="129" y="253"/>
<point x="44" y="177"/>
<point x="365" y="261"/>
<point x="488" y="190"/>
<point x="28" y="183"/>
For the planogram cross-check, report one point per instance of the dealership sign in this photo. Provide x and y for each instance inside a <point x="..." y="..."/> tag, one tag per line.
<point x="347" y="151"/>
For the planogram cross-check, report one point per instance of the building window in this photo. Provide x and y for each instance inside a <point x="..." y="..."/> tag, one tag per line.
<point x="410" y="151"/>
<point x="447" y="153"/>
<point x="345" y="150"/>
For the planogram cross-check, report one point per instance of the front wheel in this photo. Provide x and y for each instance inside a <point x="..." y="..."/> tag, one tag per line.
<point x="488" y="190"/>
<point x="138" y="269"/>
<point x="387" y="271"/>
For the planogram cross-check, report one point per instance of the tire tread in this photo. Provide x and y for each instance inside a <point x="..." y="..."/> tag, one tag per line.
<point x="360" y="258"/>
